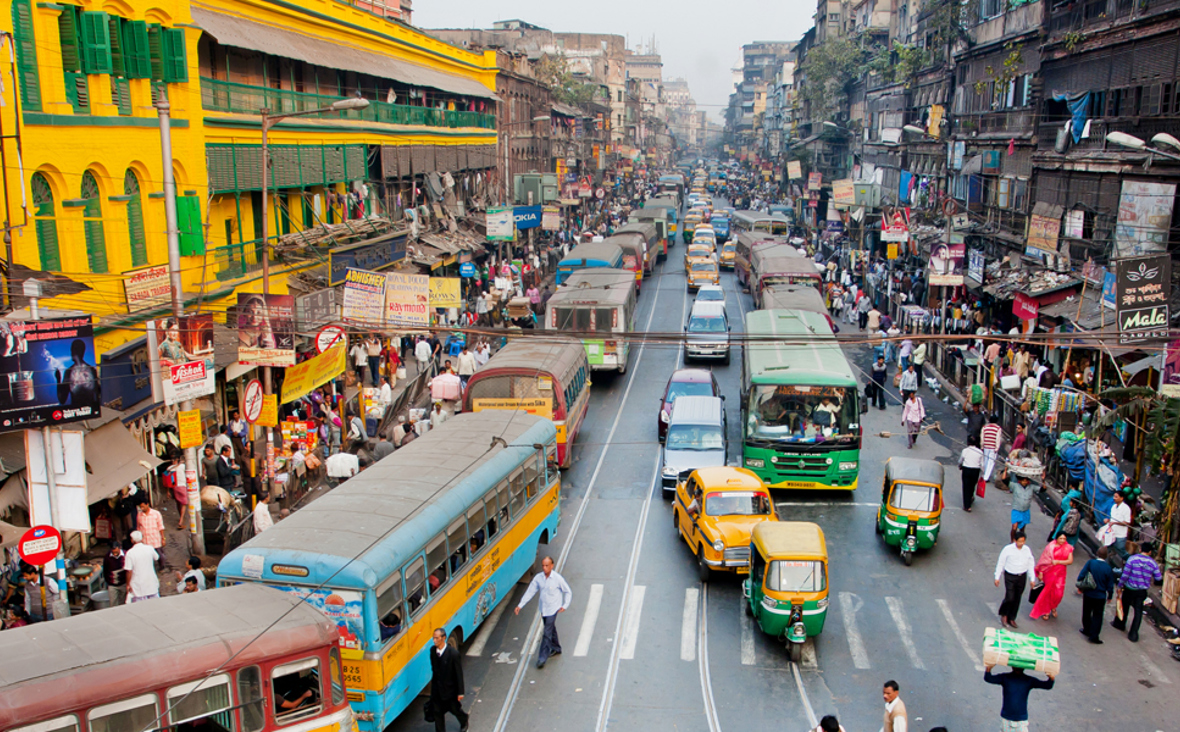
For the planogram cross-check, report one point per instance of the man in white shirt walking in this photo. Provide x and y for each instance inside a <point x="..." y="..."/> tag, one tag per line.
<point x="1016" y="566"/>
<point x="554" y="598"/>
<point x="262" y="518"/>
<point x="1120" y="520"/>
<point x="423" y="354"/>
<point x="140" y="566"/>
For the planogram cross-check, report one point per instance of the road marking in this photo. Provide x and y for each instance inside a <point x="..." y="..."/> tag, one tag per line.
<point x="593" y="603"/>
<point x="849" y="605"/>
<point x="688" y="624"/>
<point x="809" y="659"/>
<point x="897" y="610"/>
<point x="535" y="628"/>
<point x="631" y="625"/>
<point x="747" y="625"/>
<point x="703" y="657"/>
<point x="485" y="632"/>
<point x="811" y="720"/>
<point x="1154" y="670"/>
<point x="950" y="620"/>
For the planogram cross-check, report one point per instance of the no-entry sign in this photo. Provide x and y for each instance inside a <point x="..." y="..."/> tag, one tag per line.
<point x="327" y="337"/>
<point x="252" y="402"/>
<point x="39" y="545"/>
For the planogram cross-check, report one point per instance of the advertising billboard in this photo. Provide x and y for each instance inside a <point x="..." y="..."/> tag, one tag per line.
<point x="266" y="329"/>
<point x="183" y="356"/>
<point x="49" y="373"/>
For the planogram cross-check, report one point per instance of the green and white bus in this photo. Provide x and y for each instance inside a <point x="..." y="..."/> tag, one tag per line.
<point x="598" y="306"/>
<point x="800" y="403"/>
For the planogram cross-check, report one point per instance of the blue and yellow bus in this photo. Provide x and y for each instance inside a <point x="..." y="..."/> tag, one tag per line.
<point x="433" y="536"/>
<point x="590" y="255"/>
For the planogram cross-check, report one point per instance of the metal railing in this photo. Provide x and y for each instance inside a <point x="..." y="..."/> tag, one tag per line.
<point x="235" y="98"/>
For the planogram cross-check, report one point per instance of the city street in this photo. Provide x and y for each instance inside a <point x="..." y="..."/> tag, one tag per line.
<point x="649" y="647"/>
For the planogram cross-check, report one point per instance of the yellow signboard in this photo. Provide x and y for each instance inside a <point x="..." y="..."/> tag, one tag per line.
<point x="316" y="371"/>
<point x="891" y="252"/>
<point x="269" y="416"/>
<point x="539" y="407"/>
<point x="444" y="292"/>
<point x="189" y="426"/>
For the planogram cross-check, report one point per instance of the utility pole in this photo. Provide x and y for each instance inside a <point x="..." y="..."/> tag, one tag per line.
<point x="266" y="370"/>
<point x="195" y="522"/>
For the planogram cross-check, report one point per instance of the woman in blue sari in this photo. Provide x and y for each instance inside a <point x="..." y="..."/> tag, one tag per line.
<point x="1066" y="505"/>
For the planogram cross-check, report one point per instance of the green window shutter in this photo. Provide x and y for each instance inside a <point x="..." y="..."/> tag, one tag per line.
<point x="67" y="28"/>
<point x="115" y="30"/>
<point x="26" y="55"/>
<point x="137" y="56"/>
<point x="121" y="95"/>
<point x="155" y="38"/>
<point x="96" y="244"/>
<point x="78" y="92"/>
<point x="175" y="55"/>
<point x="96" y="43"/>
<point x="192" y="231"/>
<point x="47" y="245"/>
<point x="138" y="242"/>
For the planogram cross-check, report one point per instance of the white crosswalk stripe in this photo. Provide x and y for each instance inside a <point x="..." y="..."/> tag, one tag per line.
<point x="897" y="610"/>
<point x="849" y="605"/>
<point x="593" y="604"/>
<point x="954" y="624"/>
<point x="747" y="625"/>
<point x="631" y="623"/>
<point x="688" y="624"/>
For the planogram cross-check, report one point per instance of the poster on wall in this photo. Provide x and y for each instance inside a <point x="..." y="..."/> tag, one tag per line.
<point x="815" y="181"/>
<point x="794" y="170"/>
<point x="445" y="292"/>
<point x="947" y="261"/>
<point x="407" y="300"/>
<point x="1170" y="381"/>
<point x="1044" y="227"/>
<point x="501" y="225"/>
<point x="148" y="288"/>
<point x="364" y="297"/>
<point x="266" y="329"/>
<point x="1144" y="287"/>
<point x="48" y="374"/>
<point x="182" y="354"/>
<point x="843" y="192"/>
<point x="1144" y="218"/>
<point x="975" y="265"/>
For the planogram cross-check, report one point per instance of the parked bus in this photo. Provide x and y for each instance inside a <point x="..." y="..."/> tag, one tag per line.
<point x="226" y="660"/>
<point x="432" y="536"/>
<point x="634" y="256"/>
<point x="656" y="250"/>
<point x="589" y="255"/>
<point x="672" y="206"/>
<point x="599" y="306"/>
<point x="800" y="404"/>
<point x="744" y="245"/>
<point x="657" y="217"/>
<point x="796" y="297"/>
<point x="781" y="265"/>
<point x="758" y="222"/>
<point x="545" y="377"/>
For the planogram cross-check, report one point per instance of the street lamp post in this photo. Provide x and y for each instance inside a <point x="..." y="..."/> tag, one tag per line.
<point x="268" y="120"/>
<point x="1130" y="141"/>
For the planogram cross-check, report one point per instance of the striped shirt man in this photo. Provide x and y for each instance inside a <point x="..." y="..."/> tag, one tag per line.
<point x="1139" y="572"/>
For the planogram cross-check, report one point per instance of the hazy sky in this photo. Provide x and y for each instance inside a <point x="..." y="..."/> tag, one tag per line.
<point x="698" y="42"/>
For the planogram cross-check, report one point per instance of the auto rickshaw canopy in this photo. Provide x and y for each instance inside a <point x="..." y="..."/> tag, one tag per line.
<point x="790" y="540"/>
<point x="913" y="470"/>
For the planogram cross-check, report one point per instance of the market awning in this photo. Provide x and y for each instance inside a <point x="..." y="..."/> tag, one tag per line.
<point x="114" y="460"/>
<point x="232" y="30"/>
<point x="10" y="534"/>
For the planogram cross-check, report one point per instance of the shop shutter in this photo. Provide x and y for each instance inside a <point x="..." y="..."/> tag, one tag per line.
<point x="137" y="56"/>
<point x="26" y="55"/>
<point x="175" y="55"/>
<point x="96" y="43"/>
<point x="67" y="29"/>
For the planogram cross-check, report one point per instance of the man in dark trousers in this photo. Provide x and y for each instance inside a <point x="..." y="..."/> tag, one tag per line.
<point x="1094" y="598"/>
<point x="446" y="683"/>
<point x="880" y="370"/>
<point x="1014" y="705"/>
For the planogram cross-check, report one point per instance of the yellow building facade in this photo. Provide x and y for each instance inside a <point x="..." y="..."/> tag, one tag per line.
<point x="84" y="197"/>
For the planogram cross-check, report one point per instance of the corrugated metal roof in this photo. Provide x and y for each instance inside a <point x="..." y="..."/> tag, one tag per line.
<point x="231" y="30"/>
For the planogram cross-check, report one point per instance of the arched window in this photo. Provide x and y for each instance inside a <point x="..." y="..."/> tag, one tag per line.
<point x="135" y="230"/>
<point x="45" y="224"/>
<point x="96" y="245"/>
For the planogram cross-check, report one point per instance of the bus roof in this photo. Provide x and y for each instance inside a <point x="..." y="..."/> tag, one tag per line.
<point x="793" y="297"/>
<point x="794" y="347"/>
<point x="648" y="231"/>
<point x="661" y="202"/>
<point x="536" y="356"/>
<point x="790" y="540"/>
<point x="777" y="260"/>
<point x="373" y="523"/>
<point x="594" y="250"/>
<point x="50" y="669"/>
<point x="595" y="287"/>
<point x="760" y="216"/>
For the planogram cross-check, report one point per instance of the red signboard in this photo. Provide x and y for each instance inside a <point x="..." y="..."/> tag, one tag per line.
<point x="39" y="545"/>
<point x="1024" y="307"/>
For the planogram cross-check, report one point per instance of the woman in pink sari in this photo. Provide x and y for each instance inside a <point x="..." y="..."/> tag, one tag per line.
<point x="1051" y="570"/>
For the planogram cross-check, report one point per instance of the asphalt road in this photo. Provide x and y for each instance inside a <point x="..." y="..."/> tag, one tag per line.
<point x="647" y="647"/>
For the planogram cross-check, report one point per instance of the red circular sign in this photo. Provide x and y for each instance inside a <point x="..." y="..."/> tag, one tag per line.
<point x="252" y="401"/>
<point x="40" y="545"/>
<point x="328" y="336"/>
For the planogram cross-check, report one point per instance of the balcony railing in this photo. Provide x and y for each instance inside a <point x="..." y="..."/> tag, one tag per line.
<point x="228" y="96"/>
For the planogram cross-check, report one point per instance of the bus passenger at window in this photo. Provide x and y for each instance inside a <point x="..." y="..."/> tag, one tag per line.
<point x="391" y="625"/>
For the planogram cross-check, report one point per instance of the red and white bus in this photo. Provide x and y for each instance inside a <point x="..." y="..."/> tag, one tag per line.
<point x="547" y="376"/>
<point x="239" y="659"/>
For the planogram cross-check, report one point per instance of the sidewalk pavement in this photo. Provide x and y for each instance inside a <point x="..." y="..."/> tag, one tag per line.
<point x="1051" y="498"/>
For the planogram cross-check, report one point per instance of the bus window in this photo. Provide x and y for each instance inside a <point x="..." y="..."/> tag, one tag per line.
<point x="517" y="488"/>
<point x="250" y="699"/>
<point x="336" y="676"/>
<point x="203" y="705"/>
<point x="68" y="723"/>
<point x="389" y="606"/>
<point x="475" y="527"/>
<point x="582" y="318"/>
<point x="565" y="318"/>
<point x="130" y="715"/>
<point x="502" y="492"/>
<point x="551" y="461"/>
<point x="296" y="689"/>
<point x="457" y="541"/>
<point x="493" y="515"/>
<point x="415" y="592"/>
<point x="604" y="320"/>
<point x="436" y="560"/>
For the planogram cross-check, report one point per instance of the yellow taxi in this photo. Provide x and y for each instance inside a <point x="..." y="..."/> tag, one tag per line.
<point x="691" y="221"/>
<point x="697" y="250"/>
<point x="728" y="255"/>
<point x="702" y="271"/>
<point x="716" y="510"/>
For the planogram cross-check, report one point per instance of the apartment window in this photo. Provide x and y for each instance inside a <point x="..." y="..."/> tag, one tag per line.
<point x="1004" y="192"/>
<point x="991" y="8"/>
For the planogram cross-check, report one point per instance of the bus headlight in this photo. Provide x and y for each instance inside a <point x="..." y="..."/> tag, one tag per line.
<point x="848" y="466"/>
<point x="755" y="463"/>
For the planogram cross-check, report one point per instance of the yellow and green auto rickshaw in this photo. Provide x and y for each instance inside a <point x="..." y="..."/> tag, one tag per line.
<point x="911" y="505"/>
<point x="787" y="590"/>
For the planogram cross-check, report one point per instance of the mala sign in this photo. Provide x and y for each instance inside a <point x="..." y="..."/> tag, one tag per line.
<point x="1144" y="287"/>
<point x="39" y="545"/>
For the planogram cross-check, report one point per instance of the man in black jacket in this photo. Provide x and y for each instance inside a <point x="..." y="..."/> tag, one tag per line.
<point x="446" y="683"/>
<point x="1094" y="598"/>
